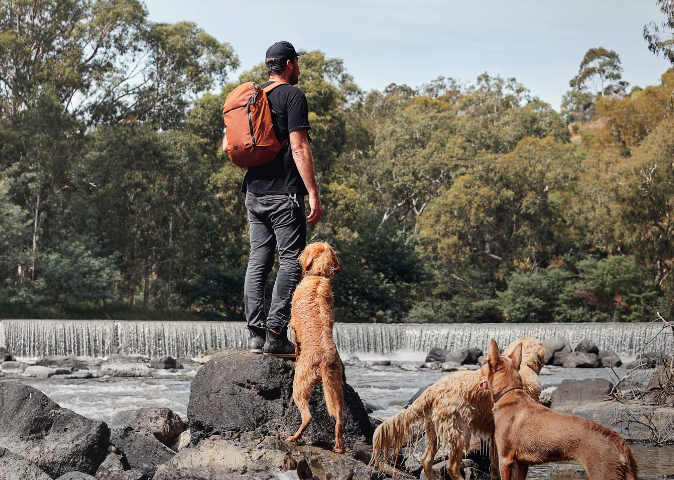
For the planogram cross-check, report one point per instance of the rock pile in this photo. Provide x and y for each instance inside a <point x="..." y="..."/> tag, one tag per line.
<point x="240" y="411"/>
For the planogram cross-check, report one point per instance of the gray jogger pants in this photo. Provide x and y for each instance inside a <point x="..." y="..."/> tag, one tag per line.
<point x="275" y="221"/>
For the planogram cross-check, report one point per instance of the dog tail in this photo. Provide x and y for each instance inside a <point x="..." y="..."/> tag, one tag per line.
<point x="403" y="428"/>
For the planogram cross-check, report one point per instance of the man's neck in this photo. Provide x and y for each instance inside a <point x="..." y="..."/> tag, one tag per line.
<point x="279" y="78"/>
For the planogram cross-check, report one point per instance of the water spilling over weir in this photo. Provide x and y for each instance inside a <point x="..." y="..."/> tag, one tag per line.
<point x="34" y="338"/>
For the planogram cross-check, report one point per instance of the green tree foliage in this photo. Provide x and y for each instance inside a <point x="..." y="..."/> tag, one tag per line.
<point x="445" y="202"/>
<point x="660" y="37"/>
<point x="104" y="60"/>
<point x="601" y="72"/>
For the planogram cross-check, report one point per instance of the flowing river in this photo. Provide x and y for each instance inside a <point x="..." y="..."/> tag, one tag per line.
<point x="384" y="388"/>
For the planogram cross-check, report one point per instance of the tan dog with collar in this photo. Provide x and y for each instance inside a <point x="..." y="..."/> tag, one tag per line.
<point x="311" y="324"/>
<point x="527" y="433"/>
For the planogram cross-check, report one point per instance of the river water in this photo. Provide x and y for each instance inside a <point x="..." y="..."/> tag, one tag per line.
<point x="384" y="388"/>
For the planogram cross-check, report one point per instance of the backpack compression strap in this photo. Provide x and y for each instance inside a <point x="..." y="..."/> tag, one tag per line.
<point x="268" y="89"/>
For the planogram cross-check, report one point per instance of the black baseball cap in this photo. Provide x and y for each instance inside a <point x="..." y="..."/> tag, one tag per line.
<point x="283" y="51"/>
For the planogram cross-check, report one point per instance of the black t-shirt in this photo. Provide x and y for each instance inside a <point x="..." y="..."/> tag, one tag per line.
<point x="289" y="113"/>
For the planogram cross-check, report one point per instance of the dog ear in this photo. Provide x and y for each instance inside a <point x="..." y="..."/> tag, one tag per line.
<point x="305" y="261"/>
<point x="493" y="356"/>
<point x="516" y="357"/>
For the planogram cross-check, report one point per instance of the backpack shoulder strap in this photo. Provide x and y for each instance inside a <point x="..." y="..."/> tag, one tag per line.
<point x="271" y="87"/>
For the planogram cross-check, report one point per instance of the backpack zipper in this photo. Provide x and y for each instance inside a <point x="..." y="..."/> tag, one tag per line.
<point x="252" y="99"/>
<point x="250" y="124"/>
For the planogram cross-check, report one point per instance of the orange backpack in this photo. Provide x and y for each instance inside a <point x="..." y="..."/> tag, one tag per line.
<point x="249" y="127"/>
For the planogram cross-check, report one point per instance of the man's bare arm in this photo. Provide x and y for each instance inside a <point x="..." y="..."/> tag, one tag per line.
<point x="299" y="144"/>
<point x="225" y="144"/>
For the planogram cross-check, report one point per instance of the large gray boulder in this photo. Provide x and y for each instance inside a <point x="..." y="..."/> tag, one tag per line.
<point x="5" y="356"/>
<point x="611" y="361"/>
<point x="35" y="371"/>
<point x="55" y="439"/>
<point x="14" y="368"/>
<point x="572" y="393"/>
<point x="134" y="358"/>
<point x="634" y="422"/>
<point x="126" y="370"/>
<point x="554" y="345"/>
<point x="239" y="391"/>
<point x="61" y="361"/>
<point x="436" y="354"/>
<point x="162" y="423"/>
<point x="463" y="356"/>
<point x="163" y="363"/>
<point x="15" y="467"/>
<point x="76" y="476"/>
<point x="238" y="459"/>
<point x="115" y="467"/>
<point x="587" y="346"/>
<point x="581" y="360"/>
<point x="143" y="452"/>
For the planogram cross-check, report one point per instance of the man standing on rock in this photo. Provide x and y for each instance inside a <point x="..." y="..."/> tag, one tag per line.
<point x="275" y="195"/>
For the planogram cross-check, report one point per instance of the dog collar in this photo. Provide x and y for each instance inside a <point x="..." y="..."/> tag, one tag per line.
<point x="506" y="391"/>
<point x="315" y="275"/>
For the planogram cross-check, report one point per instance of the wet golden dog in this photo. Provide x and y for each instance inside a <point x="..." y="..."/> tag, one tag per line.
<point x="452" y="409"/>
<point x="311" y="324"/>
<point x="527" y="433"/>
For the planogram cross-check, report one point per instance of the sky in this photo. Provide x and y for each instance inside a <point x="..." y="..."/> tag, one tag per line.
<point x="539" y="42"/>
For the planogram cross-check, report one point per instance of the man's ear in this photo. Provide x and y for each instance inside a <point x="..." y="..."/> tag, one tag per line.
<point x="493" y="356"/>
<point x="516" y="357"/>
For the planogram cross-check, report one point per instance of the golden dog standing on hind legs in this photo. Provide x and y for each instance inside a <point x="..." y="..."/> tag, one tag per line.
<point x="311" y="324"/>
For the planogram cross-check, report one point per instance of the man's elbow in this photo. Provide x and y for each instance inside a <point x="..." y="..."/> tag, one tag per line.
<point x="302" y="152"/>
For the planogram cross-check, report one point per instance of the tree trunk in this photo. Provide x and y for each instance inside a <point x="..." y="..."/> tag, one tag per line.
<point x="36" y="218"/>
<point x="132" y="296"/>
<point x="146" y="288"/>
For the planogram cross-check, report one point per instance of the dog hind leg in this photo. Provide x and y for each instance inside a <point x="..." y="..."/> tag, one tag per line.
<point x="334" y="398"/>
<point x="306" y="376"/>
<point x="521" y="470"/>
<point x="431" y="449"/>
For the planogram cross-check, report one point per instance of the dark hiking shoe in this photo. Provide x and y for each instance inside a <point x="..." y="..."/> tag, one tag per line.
<point x="256" y="339"/>
<point x="278" y="345"/>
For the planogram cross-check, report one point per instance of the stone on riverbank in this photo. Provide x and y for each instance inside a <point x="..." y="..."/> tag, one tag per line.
<point x="76" y="476"/>
<point x="572" y="393"/>
<point x="126" y="370"/>
<point x="135" y="358"/>
<point x="218" y="457"/>
<point x="13" y="466"/>
<point x="115" y="467"/>
<point x="463" y="356"/>
<point x="143" y="452"/>
<point x="55" y="439"/>
<point x="61" y="361"/>
<point x="633" y="421"/>
<point x="35" y="371"/>
<point x="587" y="346"/>
<point x="554" y="345"/>
<point x="581" y="360"/>
<point x="239" y="391"/>
<point x="5" y="356"/>
<point x="13" y="368"/>
<point x="161" y="423"/>
<point x="164" y="363"/>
